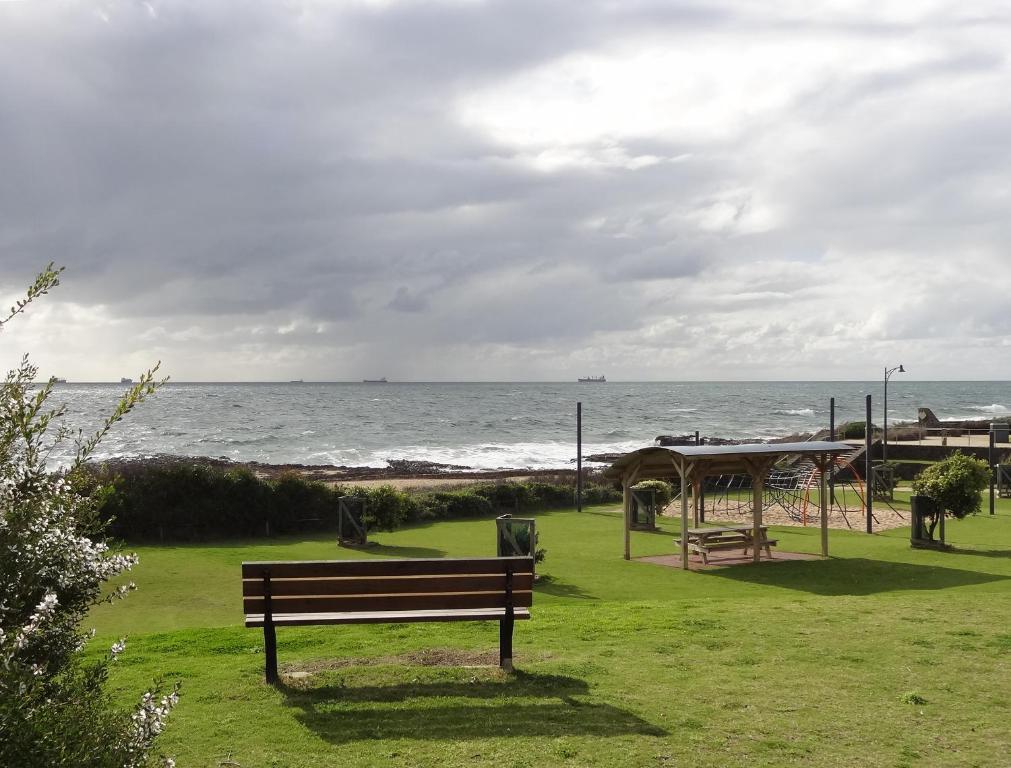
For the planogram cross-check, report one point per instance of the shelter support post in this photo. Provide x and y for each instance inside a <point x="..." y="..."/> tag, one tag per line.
<point x="993" y="467"/>
<point x="756" y="493"/>
<point x="684" y="515"/>
<point x="630" y="479"/>
<point x="758" y="471"/>
<point x="696" y="497"/>
<point x="825" y="467"/>
<point x="702" y="491"/>
<point x="626" y="498"/>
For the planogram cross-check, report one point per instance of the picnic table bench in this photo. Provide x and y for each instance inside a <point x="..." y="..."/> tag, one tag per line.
<point x="702" y="541"/>
<point x="300" y="593"/>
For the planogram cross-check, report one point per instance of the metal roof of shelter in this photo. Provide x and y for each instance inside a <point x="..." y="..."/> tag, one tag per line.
<point x="665" y="460"/>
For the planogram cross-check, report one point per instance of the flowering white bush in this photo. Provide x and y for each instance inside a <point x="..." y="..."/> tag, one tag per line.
<point x="53" y="707"/>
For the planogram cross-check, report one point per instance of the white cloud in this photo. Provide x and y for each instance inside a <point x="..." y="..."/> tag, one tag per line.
<point x="508" y="189"/>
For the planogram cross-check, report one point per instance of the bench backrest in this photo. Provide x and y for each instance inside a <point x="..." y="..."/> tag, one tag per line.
<point x="326" y="586"/>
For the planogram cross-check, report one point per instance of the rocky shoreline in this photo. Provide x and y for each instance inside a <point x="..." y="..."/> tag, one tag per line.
<point x="396" y="470"/>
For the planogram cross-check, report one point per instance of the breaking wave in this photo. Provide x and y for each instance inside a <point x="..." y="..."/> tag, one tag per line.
<point x="994" y="408"/>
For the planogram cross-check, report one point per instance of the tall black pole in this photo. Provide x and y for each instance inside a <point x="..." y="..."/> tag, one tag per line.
<point x="884" y="427"/>
<point x="993" y="440"/>
<point x="579" y="457"/>
<point x="868" y="470"/>
<point x="831" y="437"/>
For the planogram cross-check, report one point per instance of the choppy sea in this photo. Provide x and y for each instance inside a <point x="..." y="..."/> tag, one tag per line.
<point x="487" y="425"/>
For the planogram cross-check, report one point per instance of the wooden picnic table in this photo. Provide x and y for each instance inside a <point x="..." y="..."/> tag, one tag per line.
<point x="702" y="541"/>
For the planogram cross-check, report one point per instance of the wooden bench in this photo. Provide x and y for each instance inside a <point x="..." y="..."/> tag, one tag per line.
<point x="300" y="593"/>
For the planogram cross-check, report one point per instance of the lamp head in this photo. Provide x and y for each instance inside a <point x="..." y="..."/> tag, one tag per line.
<point x="901" y="369"/>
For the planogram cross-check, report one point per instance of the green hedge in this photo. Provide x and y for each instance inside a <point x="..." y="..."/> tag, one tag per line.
<point x="182" y="500"/>
<point x="854" y="430"/>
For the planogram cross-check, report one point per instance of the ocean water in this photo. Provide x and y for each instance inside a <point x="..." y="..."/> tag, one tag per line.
<point x="487" y="425"/>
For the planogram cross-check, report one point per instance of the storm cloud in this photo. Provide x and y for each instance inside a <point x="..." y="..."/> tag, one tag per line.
<point x="508" y="189"/>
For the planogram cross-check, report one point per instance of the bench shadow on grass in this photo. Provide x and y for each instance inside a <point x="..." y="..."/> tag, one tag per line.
<point x="389" y="550"/>
<point x="519" y="705"/>
<point x="549" y="585"/>
<point x="853" y="576"/>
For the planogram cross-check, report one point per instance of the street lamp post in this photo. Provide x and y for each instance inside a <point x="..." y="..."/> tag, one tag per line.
<point x="884" y="431"/>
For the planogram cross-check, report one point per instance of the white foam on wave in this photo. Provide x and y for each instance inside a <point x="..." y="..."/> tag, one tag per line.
<point x="531" y="455"/>
<point x="795" y="412"/>
<point x="994" y="408"/>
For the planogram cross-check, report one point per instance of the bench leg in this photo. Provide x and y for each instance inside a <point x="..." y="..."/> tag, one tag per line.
<point x="505" y="643"/>
<point x="270" y="653"/>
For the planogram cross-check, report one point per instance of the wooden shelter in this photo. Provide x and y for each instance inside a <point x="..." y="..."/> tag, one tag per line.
<point x="693" y="463"/>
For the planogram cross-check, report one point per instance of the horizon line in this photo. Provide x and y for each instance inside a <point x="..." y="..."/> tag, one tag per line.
<point x="538" y="381"/>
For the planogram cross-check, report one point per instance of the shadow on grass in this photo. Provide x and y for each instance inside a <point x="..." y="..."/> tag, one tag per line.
<point x="389" y="550"/>
<point x="660" y="531"/>
<point x="520" y="705"/>
<point x="853" y="576"/>
<point x="549" y="585"/>
<point x="998" y="553"/>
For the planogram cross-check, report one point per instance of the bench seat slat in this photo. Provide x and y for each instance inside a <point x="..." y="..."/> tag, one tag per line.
<point x="412" y="567"/>
<point x="722" y="545"/>
<point x="387" y="602"/>
<point x="385" y="617"/>
<point x="367" y="585"/>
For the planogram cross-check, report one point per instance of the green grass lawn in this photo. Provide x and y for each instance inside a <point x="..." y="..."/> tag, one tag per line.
<point x="814" y="663"/>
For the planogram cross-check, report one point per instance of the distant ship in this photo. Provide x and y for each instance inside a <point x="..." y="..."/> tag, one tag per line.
<point x="58" y="380"/>
<point x="126" y="380"/>
<point x="592" y="380"/>
<point x="375" y="381"/>
<point x="296" y="381"/>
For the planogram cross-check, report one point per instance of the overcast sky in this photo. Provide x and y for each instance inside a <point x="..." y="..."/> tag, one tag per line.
<point x="514" y="189"/>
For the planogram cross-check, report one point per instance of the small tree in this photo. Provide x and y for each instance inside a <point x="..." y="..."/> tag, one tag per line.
<point x="54" y="710"/>
<point x="956" y="484"/>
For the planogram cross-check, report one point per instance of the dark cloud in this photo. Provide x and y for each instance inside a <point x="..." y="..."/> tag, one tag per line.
<point x="321" y="187"/>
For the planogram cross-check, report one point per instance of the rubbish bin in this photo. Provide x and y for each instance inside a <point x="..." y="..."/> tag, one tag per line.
<point x="920" y="508"/>
<point x="1000" y="431"/>
<point x="643" y="516"/>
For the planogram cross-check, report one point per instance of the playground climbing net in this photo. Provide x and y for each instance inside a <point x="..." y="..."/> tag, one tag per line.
<point x="794" y="490"/>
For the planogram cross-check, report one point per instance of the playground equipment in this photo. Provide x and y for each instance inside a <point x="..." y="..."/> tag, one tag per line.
<point x="884" y="482"/>
<point x="793" y="488"/>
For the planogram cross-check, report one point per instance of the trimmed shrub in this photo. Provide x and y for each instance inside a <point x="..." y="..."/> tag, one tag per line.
<point x="386" y="507"/>
<point x="956" y="484"/>
<point x="446" y="505"/>
<point x="599" y="493"/>
<point x="664" y="491"/>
